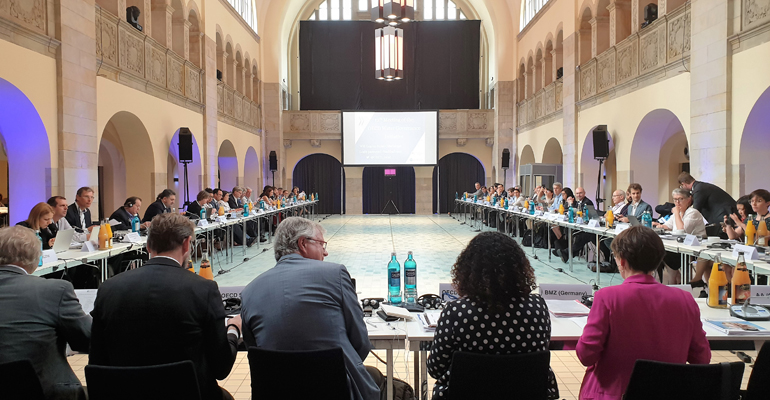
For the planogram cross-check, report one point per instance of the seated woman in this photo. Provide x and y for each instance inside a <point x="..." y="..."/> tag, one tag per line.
<point x="39" y="220"/>
<point x="638" y="319"/>
<point x="735" y="226"/>
<point x="495" y="280"/>
<point x="684" y="220"/>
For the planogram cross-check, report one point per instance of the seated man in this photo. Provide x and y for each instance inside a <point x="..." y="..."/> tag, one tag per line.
<point x="59" y="205"/>
<point x="38" y="316"/>
<point x="78" y="213"/>
<point x="304" y="303"/>
<point x="579" y="239"/>
<point x="194" y="208"/>
<point x="476" y="192"/>
<point x="126" y="213"/>
<point x="161" y="205"/>
<point x="637" y="207"/>
<point x="161" y="313"/>
<point x="235" y="198"/>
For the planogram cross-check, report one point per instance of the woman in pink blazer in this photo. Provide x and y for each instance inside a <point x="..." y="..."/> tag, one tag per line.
<point x="639" y="319"/>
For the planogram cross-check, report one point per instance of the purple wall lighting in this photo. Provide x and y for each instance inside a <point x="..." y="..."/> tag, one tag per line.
<point x="29" y="158"/>
<point x="755" y="146"/>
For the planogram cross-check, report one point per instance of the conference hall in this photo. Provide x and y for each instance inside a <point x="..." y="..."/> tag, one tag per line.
<point x="359" y="199"/>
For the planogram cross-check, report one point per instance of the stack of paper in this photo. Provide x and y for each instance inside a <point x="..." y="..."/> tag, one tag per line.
<point x="567" y="308"/>
<point x="736" y="327"/>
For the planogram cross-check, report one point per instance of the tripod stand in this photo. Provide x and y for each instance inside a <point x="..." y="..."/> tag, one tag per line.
<point x="386" y="206"/>
<point x="599" y="200"/>
<point x="186" y="185"/>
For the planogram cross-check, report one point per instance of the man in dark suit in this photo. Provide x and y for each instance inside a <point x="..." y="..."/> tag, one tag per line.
<point x="38" y="316"/>
<point x="194" y="208"/>
<point x="162" y="313"/>
<point x="712" y="202"/>
<point x="304" y="303"/>
<point x="161" y="205"/>
<point x="235" y="198"/>
<point x="78" y="213"/>
<point x="126" y="213"/>
<point x="579" y="239"/>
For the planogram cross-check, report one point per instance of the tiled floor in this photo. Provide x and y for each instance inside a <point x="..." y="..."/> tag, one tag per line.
<point x="364" y="244"/>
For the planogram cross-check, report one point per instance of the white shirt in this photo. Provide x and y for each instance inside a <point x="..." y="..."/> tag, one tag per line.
<point x="693" y="222"/>
<point x="224" y="205"/>
<point x="632" y="208"/>
<point x="618" y="208"/>
<point x="82" y="218"/>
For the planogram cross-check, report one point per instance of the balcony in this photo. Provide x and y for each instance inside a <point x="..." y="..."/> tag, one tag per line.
<point x="238" y="110"/>
<point x="544" y="107"/>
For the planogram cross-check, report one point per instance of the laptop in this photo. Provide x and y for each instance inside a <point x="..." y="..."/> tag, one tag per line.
<point x="63" y="240"/>
<point x="634" y="221"/>
<point x="592" y="214"/>
<point x="94" y="236"/>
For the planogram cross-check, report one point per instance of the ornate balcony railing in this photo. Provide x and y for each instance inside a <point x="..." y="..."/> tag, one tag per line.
<point x="238" y="110"/>
<point x="544" y="107"/>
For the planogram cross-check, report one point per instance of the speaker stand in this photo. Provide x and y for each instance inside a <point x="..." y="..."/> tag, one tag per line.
<point x="599" y="200"/>
<point x="273" y="177"/>
<point x="186" y="186"/>
<point x="386" y="206"/>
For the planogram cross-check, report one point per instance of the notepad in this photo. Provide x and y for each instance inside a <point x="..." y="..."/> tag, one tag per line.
<point x="736" y="327"/>
<point x="397" y="312"/>
<point x="567" y="308"/>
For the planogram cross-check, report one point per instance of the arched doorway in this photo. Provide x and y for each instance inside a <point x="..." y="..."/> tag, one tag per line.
<point x="456" y="173"/>
<point x="126" y="163"/>
<point x="228" y="166"/>
<point x="25" y="142"/>
<point x="589" y="171"/>
<point x="527" y="156"/>
<point x="658" y="155"/>
<point x="383" y="185"/>
<point x="251" y="171"/>
<point x="322" y="174"/>
<point x="176" y="171"/>
<point x="552" y="153"/>
<point x="755" y="146"/>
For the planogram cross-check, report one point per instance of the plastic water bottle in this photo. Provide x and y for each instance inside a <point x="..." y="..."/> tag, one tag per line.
<point x="40" y="263"/>
<point x="475" y="198"/>
<point x="531" y="208"/>
<point x="457" y="196"/>
<point x="410" y="279"/>
<point x="505" y="203"/>
<point x="246" y="210"/>
<point x="647" y="219"/>
<point x="571" y="215"/>
<point x="135" y="223"/>
<point x="261" y="204"/>
<point x="394" y="280"/>
<point x="203" y="213"/>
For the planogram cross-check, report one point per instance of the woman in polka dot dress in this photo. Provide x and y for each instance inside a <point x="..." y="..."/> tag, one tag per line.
<point x="497" y="314"/>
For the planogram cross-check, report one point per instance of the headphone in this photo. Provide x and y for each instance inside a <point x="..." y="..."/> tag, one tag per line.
<point x="369" y="305"/>
<point x="430" y="301"/>
<point x="232" y="304"/>
<point x="587" y="300"/>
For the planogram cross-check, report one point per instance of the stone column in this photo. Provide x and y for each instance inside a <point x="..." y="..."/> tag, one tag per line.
<point x="635" y="18"/>
<point x="181" y="27"/>
<point x="554" y="65"/>
<point x="594" y="36"/>
<point x="161" y="13"/>
<point x="505" y="110"/>
<point x="710" y="76"/>
<point x="354" y="181"/>
<point x="77" y="130"/>
<point x="619" y="23"/>
<point x="224" y="55"/>
<point x="542" y="73"/>
<point x="272" y="132"/>
<point x="209" y="142"/>
<point x="569" y="93"/>
<point x="241" y="72"/>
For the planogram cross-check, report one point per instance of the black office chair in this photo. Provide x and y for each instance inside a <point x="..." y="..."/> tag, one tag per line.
<point x="19" y="381"/>
<point x="759" y="382"/>
<point x="271" y="369"/>
<point x="665" y="381"/>
<point x="175" y="381"/>
<point x="490" y="376"/>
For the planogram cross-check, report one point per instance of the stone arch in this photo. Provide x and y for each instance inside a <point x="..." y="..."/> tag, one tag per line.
<point x="124" y="135"/>
<point x="584" y="29"/>
<point x="657" y="153"/>
<point x="238" y="70"/>
<point x="552" y="153"/>
<point x="220" y="52"/>
<point x="539" y="67"/>
<point x="157" y="14"/>
<point x="455" y="174"/>
<point x="530" y="74"/>
<point x="323" y="174"/>
<point x="195" y="37"/>
<point x="559" y="50"/>
<point x="522" y="80"/>
<point x="229" y="64"/>
<point x="228" y="165"/>
<point x="602" y="21"/>
<point x="24" y="140"/>
<point x="247" y="91"/>
<point x="178" y="21"/>
<point x="755" y="146"/>
<point x="548" y="69"/>
<point x="175" y="172"/>
<point x="251" y="172"/>
<point x="622" y="20"/>
<point x="254" y="82"/>
<point x="527" y="156"/>
<point x="589" y="169"/>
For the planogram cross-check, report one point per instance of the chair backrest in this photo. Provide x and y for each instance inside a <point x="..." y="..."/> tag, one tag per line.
<point x="175" y="381"/>
<point x="759" y="382"/>
<point x="273" y="370"/>
<point x="19" y="381"/>
<point x="490" y="376"/>
<point x="662" y="381"/>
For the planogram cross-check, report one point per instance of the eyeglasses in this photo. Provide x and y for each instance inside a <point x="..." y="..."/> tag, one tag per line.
<point x="323" y="243"/>
<point x="678" y="199"/>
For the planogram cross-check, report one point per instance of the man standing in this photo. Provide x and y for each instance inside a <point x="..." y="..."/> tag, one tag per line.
<point x="637" y="207"/>
<point x="304" y="303"/>
<point x="161" y="205"/>
<point x="78" y="213"/>
<point x="38" y="316"/>
<point x="161" y="313"/>
<point x="713" y="202"/>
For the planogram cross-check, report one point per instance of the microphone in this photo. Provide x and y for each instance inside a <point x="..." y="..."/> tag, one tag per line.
<point x="195" y="216"/>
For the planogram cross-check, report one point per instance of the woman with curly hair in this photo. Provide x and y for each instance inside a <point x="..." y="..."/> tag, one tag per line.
<point x="497" y="313"/>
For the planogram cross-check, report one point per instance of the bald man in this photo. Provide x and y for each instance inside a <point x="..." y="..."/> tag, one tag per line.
<point x="579" y="239"/>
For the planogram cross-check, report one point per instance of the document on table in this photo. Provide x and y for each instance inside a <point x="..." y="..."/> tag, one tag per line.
<point x="580" y="321"/>
<point x="567" y="308"/>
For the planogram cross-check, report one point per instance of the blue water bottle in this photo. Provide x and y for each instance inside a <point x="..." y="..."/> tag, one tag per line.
<point x="40" y="263"/>
<point x="505" y="203"/>
<point x="394" y="281"/>
<point x="647" y="219"/>
<point x="457" y="196"/>
<point x="571" y="215"/>
<point x="203" y="213"/>
<point x="261" y="204"/>
<point x="531" y="207"/>
<point x="475" y="198"/>
<point x="410" y="279"/>
<point x="135" y="223"/>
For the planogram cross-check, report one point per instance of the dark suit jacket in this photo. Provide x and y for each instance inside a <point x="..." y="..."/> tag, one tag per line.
<point x="46" y="233"/>
<point x="579" y="204"/>
<point x="195" y="209"/>
<point x="155" y="208"/>
<point x="159" y="314"/>
<point x="304" y="304"/>
<point x="713" y="202"/>
<point x="122" y="216"/>
<point x="73" y="217"/>
<point x="233" y="203"/>
<point x="38" y="317"/>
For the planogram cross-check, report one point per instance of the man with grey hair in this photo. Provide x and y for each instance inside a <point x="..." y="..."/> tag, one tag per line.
<point x="304" y="303"/>
<point x="685" y="219"/>
<point x="39" y="316"/>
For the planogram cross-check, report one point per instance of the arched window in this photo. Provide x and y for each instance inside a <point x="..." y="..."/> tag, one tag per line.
<point x="247" y="10"/>
<point x="530" y="8"/>
<point x="335" y="10"/>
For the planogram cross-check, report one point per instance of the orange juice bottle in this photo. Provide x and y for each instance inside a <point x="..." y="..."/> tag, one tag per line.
<point x="205" y="270"/>
<point x="762" y="234"/>
<point x="750" y="231"/>
<point x="221" y="210"/>
<point x="609" y="218"/>
<point x="717" y="287"/>
<point x="526" y="204"/>
<point x="190" y="265"/>
<point x="104" y="236"/>
<point x="561" y="209"/>
<point x="741" y="281"/>
<point x="109" y="234"/>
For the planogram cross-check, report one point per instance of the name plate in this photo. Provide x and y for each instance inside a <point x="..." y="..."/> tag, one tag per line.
<point x="222" y="219"/>
<point x="749" y="252"/>
<point x="760" y="294"/>
<point x="620" y="227"/>
<point x="49" y="256"/>
<point x="231" y="292"/>
<point x="691" y="240"/>
<point x="448" y="292"/>
<point x="564" y="292"/>
<point x="553" y="217"/>
<point x="89" y="247"/>
<point x="132" y="237"/>
<point x="203" y="223"/>
<point x="593" y="223"/>
<point x="539" y="213"/>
